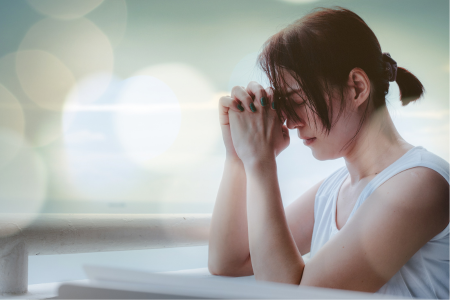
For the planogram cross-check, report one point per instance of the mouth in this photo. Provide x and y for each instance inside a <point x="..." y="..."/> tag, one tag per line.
<point x="306" y="140"/>
<point x="309" y="141"/>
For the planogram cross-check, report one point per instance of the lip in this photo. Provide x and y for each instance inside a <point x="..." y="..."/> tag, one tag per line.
<point x="309" y="141"/>
<point x="306" y="137"/>
<point x="306" y="140"/>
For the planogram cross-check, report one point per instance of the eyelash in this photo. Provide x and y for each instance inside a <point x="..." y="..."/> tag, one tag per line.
<point x="298" y="104"/>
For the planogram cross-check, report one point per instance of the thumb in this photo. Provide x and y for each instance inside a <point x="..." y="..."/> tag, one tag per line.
<point x="285" y="130"/>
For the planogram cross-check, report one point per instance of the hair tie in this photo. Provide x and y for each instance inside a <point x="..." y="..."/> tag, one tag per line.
<point x="390" y="66"/>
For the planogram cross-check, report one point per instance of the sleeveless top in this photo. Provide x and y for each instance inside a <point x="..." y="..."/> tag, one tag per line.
<point x="426" y="274"/>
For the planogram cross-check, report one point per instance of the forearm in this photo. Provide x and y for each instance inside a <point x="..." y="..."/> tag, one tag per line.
<point x="275" y="256"/>
<point x="228" y="243"/>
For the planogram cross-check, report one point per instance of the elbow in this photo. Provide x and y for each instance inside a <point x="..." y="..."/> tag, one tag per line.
<point x="214" y="269"/>
<point x="214" y="266"/>
<point x="216" y="262"/>
<point x="222" y="267"/>
<point x="218" y="268"/>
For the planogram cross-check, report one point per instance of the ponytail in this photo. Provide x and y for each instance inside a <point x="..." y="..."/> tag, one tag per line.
<point x="410" y="87"/>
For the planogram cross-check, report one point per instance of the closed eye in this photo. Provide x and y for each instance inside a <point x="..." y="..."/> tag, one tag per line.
<point x="298" y="102"/>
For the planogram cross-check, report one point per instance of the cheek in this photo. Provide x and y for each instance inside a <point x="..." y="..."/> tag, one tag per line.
<point x="340" y="135"/>
<point x="310" y="119"/>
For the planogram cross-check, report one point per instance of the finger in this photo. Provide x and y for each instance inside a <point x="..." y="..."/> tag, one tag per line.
<point x="285" y="130"/>
<point x="258" y="93"/>
<point x="270" y="93"/>
<point x="239" y="93"/>
<point x="283" y="117"/>
<point x="226" y="103"/>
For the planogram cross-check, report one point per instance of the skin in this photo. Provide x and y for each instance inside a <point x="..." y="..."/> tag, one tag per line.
<point x="251" y="232"/>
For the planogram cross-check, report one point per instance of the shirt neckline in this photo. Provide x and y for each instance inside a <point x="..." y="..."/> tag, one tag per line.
<point x="341" y="182"/>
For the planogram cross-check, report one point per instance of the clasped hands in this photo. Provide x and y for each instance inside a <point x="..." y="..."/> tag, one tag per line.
<point x="251" y="128"/>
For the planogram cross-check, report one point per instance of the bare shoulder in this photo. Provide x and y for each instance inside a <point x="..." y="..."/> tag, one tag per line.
<point x="300" y="218"/>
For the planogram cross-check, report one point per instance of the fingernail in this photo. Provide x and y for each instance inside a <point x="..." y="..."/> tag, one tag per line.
<point x="252" y="107"/>
<point x="273" y="105"/>
<point x="240" y="107"/>
<point x="263" y="101"/>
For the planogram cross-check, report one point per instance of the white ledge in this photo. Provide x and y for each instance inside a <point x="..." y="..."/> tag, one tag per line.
<point x="46" y="234"/>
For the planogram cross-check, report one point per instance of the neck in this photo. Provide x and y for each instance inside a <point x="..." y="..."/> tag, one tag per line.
<point x="377" y="145"/>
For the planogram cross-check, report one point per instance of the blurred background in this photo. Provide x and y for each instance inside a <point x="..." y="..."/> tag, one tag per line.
<point x="110" y="106"/>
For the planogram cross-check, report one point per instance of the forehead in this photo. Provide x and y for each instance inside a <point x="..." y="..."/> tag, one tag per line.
<point x="289" y="83"/>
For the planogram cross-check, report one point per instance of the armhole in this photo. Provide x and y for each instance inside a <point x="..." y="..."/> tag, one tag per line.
<point x="330" y="177"/>
<point x="325" y="184"/>
<point x="441" y="234"/>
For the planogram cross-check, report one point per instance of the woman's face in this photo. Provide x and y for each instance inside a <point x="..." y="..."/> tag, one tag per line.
<point x="310" y="128"/>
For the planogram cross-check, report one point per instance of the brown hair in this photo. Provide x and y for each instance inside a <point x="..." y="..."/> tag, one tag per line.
<point x="319" y="51"/>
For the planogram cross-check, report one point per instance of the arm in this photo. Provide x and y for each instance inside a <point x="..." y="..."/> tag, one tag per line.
<point x="299" y="215"/>
<point x="399" y="218"/>
<point x="258" y="137"/>
<point x="228" y="252"/>
<point x="387" y="230"/>
<point x="275" y="256"/>
<point x="228" y="243"/>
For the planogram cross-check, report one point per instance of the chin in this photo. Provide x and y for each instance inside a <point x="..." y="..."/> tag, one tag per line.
<point x="324" y="155"/>
<point x="319" y="156"/>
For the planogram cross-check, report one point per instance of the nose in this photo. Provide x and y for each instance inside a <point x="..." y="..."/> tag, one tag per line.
<point x="292" y="124"/>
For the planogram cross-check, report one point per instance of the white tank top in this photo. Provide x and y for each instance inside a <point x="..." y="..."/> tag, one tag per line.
<point x="426" y="274"/>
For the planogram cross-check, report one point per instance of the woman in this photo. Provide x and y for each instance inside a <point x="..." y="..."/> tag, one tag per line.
<point x="379" y="224"/>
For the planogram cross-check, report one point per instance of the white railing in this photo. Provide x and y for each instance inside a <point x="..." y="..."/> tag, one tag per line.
<point x="47" y="234"/>
<point x="24" y="235"/>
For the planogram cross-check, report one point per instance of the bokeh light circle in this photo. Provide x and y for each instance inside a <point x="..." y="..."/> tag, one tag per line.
<point x="23" y="183"/>
<point x="64" y="9"/>
<point x="199" y="129"/>
<point x="94" y="164"/>
<point x="79" y="44"/>
<point x="147" y="119"/>
<point x="12" y="125"/>
<point x="42" y="126"/>
<point x="44" y="78"/>
<point x="87" y="91"/>
<point x="247" y="70"/>
<point x="111" y="17"/>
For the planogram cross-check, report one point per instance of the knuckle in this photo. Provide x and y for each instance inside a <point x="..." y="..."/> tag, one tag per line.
<point x="236" y="89"/>
<point x="224" y="100"/>
<point x="246" y="98"/>
<point x="252" y="83"/>
<point x="255" y="87"/>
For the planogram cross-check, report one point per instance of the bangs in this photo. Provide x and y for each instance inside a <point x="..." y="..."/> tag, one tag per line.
<point x="319" y="51"/>
<point x="294" y="51"/>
